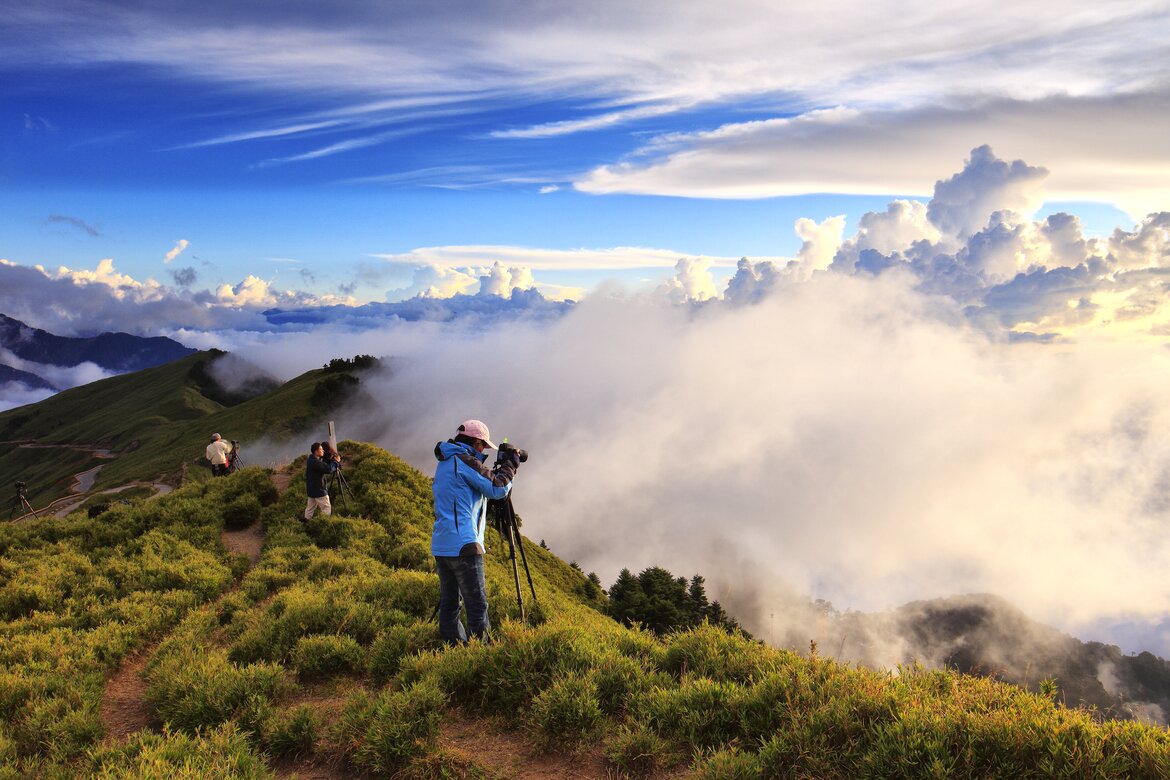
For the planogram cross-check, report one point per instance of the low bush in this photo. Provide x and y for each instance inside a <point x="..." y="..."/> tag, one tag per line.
<point x="566" y="713"/>
<point x="242" y="512"/>
<point x="195" y="687"/>
<point x="391" y="728"/>
<point x="325" y="655"/>
<point x="395" y="643"/>
<point x="222" y="753"/>
<point x="290" y="733"/>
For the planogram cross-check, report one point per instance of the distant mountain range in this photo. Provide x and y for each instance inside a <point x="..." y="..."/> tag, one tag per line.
<point x="117" y="352"/>
<point x="10" y="374"/>
<point x="986" y="635"/>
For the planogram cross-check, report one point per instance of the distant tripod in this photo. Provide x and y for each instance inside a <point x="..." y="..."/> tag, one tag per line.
<point x="339" y="487"/>
<point x="235" y="461"/>
<point x="20" y="502"/>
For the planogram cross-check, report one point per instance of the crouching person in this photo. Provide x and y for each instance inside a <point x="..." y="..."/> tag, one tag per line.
<point x="463" y="486"/>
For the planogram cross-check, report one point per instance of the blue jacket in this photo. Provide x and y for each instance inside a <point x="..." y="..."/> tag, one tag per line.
<point x="462" y="487"/>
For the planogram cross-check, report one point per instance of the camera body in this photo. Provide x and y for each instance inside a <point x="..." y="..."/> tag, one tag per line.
<point x="505" y="448"/>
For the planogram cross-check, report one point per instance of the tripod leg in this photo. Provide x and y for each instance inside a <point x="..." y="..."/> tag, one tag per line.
<point x="524" y="558"/>
<point x="516" y="572"/>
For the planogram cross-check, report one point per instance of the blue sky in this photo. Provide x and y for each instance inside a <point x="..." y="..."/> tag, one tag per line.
<point x="302" y="143"/>
<point x="940" y="368"/>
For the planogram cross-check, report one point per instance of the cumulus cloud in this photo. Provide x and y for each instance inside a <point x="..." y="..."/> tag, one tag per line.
<point x="444" y="271"/>
<point x="80" y="302"/>
<point x="501" y="280"/>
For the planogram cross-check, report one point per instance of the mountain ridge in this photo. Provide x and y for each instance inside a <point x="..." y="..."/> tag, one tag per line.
<point x="112" y="351"/>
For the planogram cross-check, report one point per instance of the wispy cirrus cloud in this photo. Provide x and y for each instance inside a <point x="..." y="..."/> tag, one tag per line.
<point x="76" y="222"/>
<point x="614" y="258"/>
<point x="884" y="152"/>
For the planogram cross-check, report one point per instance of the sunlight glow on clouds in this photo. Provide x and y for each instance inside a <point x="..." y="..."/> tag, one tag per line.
<point x="1114" y="149"/>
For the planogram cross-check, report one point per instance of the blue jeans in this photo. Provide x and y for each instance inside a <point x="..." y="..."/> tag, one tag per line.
<point x="462" y="576"/>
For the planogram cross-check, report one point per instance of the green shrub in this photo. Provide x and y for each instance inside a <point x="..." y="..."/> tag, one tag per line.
<point x="712" y="652"/>
<point x="242" y="512"/>
<point x="620" y="679"/>
<point x="391" y="728"/>
<point x="193" y="687"/>
<point x="733" y="764"/>
<point x="299" y="611"/>
<point x="636" y="751"/>
<point x="700" y="712"/>
<point x="567" y="713"/>
<point x="324" y="655"/>
<point x="291" y="733"/>
<point x="221" y="753"/>
<point x="392" y="645"/>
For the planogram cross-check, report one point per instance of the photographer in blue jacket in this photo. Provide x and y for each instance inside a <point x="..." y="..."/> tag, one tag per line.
<point x="463" y="486"/>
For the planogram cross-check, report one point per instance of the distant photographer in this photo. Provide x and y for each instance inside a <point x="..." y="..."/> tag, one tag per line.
<point x="463" y="486"/>
<point x="318" y="468"/>
<point x="217" y="452"/>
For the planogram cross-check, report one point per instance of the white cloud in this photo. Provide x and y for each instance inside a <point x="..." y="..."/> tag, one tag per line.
<point x="501" y="280"/>
<point x="691" y="281"/>
<point x="607" y="259"/>
<point x="14" y="394"/>
<point x="1106" y="149"/>
<point x="847" y="437"/>
<point x="865" y="99"/>
<point x="178" y="249"/>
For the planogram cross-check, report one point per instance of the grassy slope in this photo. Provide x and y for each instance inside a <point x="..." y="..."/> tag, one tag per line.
<point x="326" y="650"/>
<point x="156" y="420"/>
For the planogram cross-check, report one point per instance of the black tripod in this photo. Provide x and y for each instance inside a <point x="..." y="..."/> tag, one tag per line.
<point x="339" y="487"/>
<point x="20" y="502"/>
<point x="235" y="461"/>
<point x="503" y="518"/>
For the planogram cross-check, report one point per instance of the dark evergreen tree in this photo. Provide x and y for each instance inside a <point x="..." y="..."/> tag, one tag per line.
<point x="697" y="603"/>
<point x="663" y="603"/>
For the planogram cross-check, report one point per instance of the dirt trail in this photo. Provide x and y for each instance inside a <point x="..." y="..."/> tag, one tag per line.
<point x="124" y="709"/>
<point x="510" y="754"/>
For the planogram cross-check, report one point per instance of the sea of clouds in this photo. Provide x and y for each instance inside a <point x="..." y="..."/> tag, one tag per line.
<point x="956" y="398"/>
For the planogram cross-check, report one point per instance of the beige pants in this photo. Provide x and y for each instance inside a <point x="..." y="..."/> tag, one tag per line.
<point x="318" y="503"/>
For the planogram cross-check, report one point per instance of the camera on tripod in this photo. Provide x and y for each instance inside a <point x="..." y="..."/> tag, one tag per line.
<point x="505" y="448"/>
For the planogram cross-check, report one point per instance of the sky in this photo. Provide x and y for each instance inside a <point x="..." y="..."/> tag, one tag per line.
<point x="856" y="301"/>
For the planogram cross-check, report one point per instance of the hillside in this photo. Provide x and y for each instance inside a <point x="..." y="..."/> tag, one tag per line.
<point x="150" y="425"/>
<point x="320" y="660"/>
